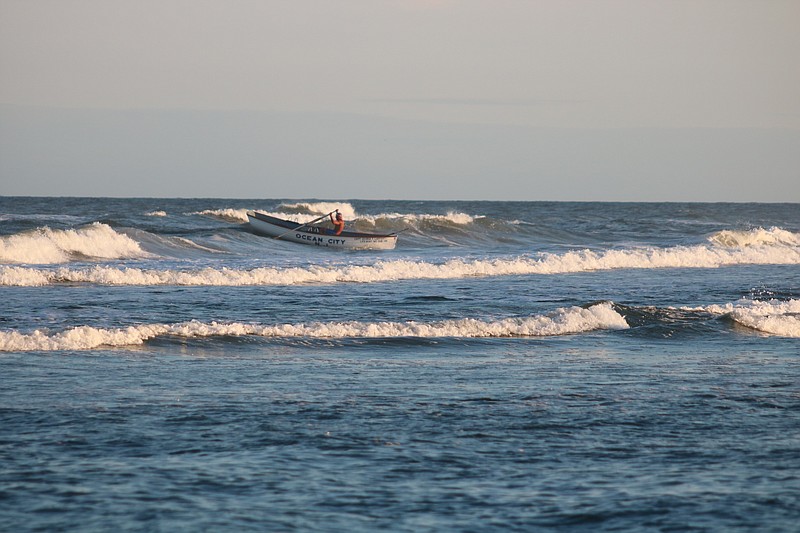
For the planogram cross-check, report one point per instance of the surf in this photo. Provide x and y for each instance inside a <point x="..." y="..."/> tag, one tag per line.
<point x="301" y="212"/>
<point x="562" y="321"/>
<point x="576" y="261"/>
<point x="772" y="317"/>
<point x="47" y="246"/>
<point x="773" y="236"/>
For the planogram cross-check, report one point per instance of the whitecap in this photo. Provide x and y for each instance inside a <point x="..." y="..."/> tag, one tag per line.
<point x="775" y="317"/>
<point x="227" y="214"/>
<point x="563" y="321"/>
<point x="318" y="208"/>
<point x="46" y="246"/>
<point x="755" y="237"/>
<point x="404" y="269"/>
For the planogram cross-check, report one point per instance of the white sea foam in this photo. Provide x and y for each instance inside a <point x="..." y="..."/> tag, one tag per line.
<point x="303" y="212"/>
<point x="228" y="214"/>
<point x="47" y="246"/>
<point x="562" y="321"/>
<point x="776" y="317"/>
<point x="24" y="277"/>
<point x="349" y="213"/>
<point x="755" y="237"/>
<point x="299" y="212"/>
<point x="319" y="208"/>
<point x="156" y="214"/>
<point x="455" y="218"/>
<point x="382" y="271"/>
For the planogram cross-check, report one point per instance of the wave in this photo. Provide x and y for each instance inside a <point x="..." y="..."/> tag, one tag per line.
<point x="755" y="237"/>
<point x="297" y="212"/>
<point x="227" y="214"/>
<point x="38" y="217"/>
<point x="156" y="214"/>
<point x="302" y="212"/>
<point x="47" y="246"/>
<point x="439" y="228"/>
<point x="318" y="208"/>
<point x="775" y="317"/>
<point x="563" y="321"/>
<point x="412" y="219"/>
<point x="382" y="271"/>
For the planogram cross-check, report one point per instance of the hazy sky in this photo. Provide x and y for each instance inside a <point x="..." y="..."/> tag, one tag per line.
<point x="493" y="99"/>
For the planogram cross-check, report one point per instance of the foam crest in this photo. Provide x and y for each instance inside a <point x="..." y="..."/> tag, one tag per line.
<point x="317" y="208"/>
<point x="79" y="338"/>
<point x="47" y="246"/>
<point x="755" y="237"/>
<point x="382" y="271"/>
<point x="460" y="219"/>
<point x="156" y="214"/>
<point x="228" y="214"/>
<point x="12" y="276"/>
<point x="562" y="321"/>
<point x="299" y="212"/>
<point x="776" y="317"/>
<point x="304" y="212"/>
<point x="107" y="275"/>
<point x="676" y="257"/>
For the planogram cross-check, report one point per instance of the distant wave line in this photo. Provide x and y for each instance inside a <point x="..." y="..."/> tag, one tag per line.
<point x="382" y="271"/>
<point x="240" y="216"/>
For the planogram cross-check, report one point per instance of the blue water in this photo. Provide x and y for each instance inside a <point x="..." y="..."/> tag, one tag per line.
<point x="509" y="366"/>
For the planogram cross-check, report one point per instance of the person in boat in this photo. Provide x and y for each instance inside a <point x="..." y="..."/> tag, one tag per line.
<point x="338" y="223"/>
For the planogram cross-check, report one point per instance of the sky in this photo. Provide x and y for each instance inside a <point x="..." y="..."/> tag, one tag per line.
<point x="607" y="100"/>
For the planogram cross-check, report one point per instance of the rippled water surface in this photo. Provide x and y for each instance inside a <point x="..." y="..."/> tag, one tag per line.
<point x="509" y="366"/>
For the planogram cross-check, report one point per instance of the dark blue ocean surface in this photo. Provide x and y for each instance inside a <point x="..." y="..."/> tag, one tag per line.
<point x="509" y="366"/>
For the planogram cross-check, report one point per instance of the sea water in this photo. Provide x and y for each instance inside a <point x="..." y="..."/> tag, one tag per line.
<point x="510" y="366"/>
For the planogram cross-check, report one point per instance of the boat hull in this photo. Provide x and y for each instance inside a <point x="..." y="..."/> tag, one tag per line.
<point x="317" y="236"/>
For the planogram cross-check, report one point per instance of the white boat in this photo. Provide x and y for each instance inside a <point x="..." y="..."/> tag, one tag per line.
<point x="319" y="236"/>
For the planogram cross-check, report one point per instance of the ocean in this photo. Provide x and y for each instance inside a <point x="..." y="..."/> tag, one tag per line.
<point x="509" y="366"/>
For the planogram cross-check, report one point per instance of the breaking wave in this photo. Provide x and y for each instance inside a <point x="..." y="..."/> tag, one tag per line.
<point x="563" y="321"/>
<point x="755" y="237"/>
<point x="301" y="212"/>
<point x="318" y="208"/>
<point x="349" y="213"/>
<point x="47" y="246"/>
<point x="457" y="219"/>
<point x="382" y="271"/>
<point x="229" y="214"/>
<point x="298" y="212"/>
<point x="775" y="317"/>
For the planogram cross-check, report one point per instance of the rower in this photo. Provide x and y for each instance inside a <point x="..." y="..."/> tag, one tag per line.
<point x="338" y="223"/>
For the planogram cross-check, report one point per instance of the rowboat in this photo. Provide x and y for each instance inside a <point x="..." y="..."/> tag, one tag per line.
<point x="315" y="235"/>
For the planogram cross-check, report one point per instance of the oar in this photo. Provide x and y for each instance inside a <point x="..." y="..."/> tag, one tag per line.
<point x="306" y="224"/>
